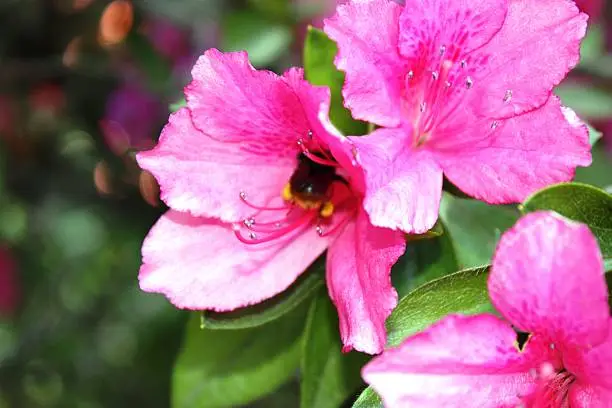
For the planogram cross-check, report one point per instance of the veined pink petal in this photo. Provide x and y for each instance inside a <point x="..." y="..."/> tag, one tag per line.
<point x="198" y="263"/>
<point x="359" y="265"/>
<point x="460" y="361"/>
<point x="367" y="35"/>
<point x="505" y="161"/>
<point x="403" y="186"/>
<point x="205" y="176"/>
<point x="232" y="102"/>
<point x="547" y="278"/>
<point x="591" y="363"/>
<point x="537" y="46"/>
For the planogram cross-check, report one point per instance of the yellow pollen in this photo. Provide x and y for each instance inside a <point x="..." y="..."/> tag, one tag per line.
<point x="327" y="210"/>
<point x="287" y="194"/>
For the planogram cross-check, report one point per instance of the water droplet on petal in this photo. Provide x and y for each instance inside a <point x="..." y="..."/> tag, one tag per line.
<point x="494" y="125"/>
<point x="469" y="83"/>
<point x="434" y="75"/>
<point x="252" y="235"/>
<point x="463" y="63"/>
<point x="508" y="96"/>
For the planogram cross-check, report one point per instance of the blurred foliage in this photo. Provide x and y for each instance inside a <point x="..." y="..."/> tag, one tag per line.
<point x="84" y="84"/>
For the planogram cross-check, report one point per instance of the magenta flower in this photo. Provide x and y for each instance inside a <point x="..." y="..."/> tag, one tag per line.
<point x="259" y="185"/>
<point x="460" y="88"/>
<point x="547" y="279"/>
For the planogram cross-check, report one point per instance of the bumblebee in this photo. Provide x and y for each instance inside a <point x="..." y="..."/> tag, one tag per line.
<point x="310" y="184"/>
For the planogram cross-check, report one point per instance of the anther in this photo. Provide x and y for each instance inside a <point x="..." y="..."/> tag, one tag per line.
<point x="410" y="74"/>
<point x="319" y="230"/>
<point x="310" y="134"/>
<point x="249" y="222"/>
<point x="243" y="195"/>
<point x="252" y="235"/>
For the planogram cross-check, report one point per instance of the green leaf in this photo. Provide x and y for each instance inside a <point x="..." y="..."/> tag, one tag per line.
<point x="329" y="376"/>
<point x="319" y="54"/>
<point x="588" y="101"/>
<point x="271" y="309"/>
<point x="464" y="292"/>
<point x="368" y="399"/>
<point x="594" y="135"/>
<point x="579" y="202"/>
<point x="177" y="105"/>
<point x="223" y="368"/>
<point x="424" y="260"/>
<point x="265" y="40"/>
<point x="475" y="228"/>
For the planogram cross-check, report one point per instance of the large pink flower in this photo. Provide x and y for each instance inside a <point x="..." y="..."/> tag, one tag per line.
<point x="460" y="88"/>
<point x="547" y="279"/>
<point x="259" y="185"/>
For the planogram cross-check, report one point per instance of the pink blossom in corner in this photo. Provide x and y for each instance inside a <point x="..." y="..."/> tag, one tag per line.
<point x="260" y="184"/>
<point x="461" y="89"/>
<point x="547" y="279"/>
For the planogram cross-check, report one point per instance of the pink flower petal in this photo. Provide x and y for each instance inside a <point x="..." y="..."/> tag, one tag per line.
<point x="359" y="282"/>
<point x="403" y="186"/>
<point x="460" y="360"/>
<point x="205" y="176"/>
<point x="592" y="363"/>
<point x="505" y="161"/>
<point x="535" y="49"/>
<point x="547" y="278"/>
<point x="588" y="396"/>
<point x="198" y="263"/>
<point x="367" y="35"/>
<point x="232" y="102"/>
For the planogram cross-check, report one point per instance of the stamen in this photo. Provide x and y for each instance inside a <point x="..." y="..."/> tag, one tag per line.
<point x="340" y="225"/>
<point x="322" y="161"/>
<point x="243" y="197"/>
<point x="253" y="238"/>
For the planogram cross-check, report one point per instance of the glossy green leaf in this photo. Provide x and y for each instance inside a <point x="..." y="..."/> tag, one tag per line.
<point x="319" y="54"/>
<point x="475" y="228"/>
<point x="265" y="40"/>
<point x="464" y="292"/>
<point x="579" y="202"/>
<point x="329" y="376"/>
<point x="271" y="309"/>
<point x="226" y="368"/>
<point x="424" y="260"/>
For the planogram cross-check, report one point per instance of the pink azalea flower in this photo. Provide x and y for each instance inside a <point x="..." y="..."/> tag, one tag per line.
<point x="259" y="185"/>
<point x="547" y="279"/>
<point x="460" y="88"/>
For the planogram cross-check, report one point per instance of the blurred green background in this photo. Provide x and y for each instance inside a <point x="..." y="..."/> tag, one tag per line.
<point x="83" y="85"/>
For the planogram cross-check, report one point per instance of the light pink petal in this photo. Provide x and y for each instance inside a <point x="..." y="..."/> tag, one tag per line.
<point x="359" y="282"/>
<point x="588" y="396"/>
<point x="367" y="35"/>
<point x="591" y="363"/>
<point x="232" y="102"/>
<point x="198" y="263"/>
<point x="403" y="186"/>
<point x="204" y="176"/>
<point x="547" y="278"/>
<point x="536" y="47"/>
<point x="505" y="161"/>
<point x="460" y="361"/>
